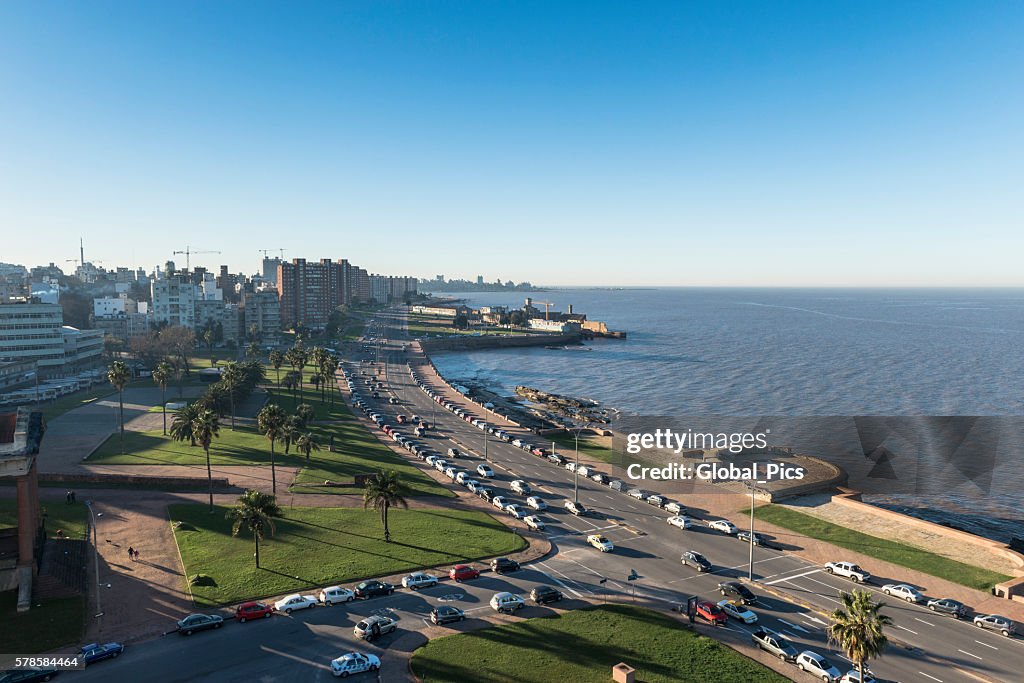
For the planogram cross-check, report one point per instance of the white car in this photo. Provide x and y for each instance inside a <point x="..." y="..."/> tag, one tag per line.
<point x="584" y="471"/>
<point x="333" y="595"/>
<point x="440" y="464"/>
<point x="462" y="477"/>
<point x="471" y="484"/>
<point x="431" y="459"/>
<point x="571" y="466"/>
<point x="534" y="522"/>
<point x="903" y="590"/>
<point x="484" y="471"/>
<point x="294" y="602"/>
<point x="601" y="543"/>
<point x="679" y="521"/>
<point x="537" y="503"/>
<point x="354" y="663"/>
<point x="514" y="510"/>
<point x="499" y="502"/>
<point x="738" y="611"/>
<point x="723" y="525"/>
<point x="418" y="580"/>
<point x="849" y="570"/>
<point x="575" y="508"/>
<point x="853" y="676"/>
<point x="818" y="665"/>
<point x="507" y="602"/>
<point x="675" y="508"/>
<point x="520" y="487"/>
<point x="451" y="471"/>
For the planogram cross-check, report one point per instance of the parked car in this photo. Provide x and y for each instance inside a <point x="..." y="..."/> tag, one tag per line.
<point x="534" y="522"/>
<point x="711" y="612"/>
<point x="556" y="458"/>
<point x="484" y="471"/>
<point x="575" y="508"/>
<point x="601" y="543"/>
<point x="745" y="537"/>
<point x="600" y="477"/>
<point x="772" y="642"/>
<point x="418" y="580"/>
<point x="617" y="485"/>
<point x="639" y="494"/>
<point x="485" y="493"/>
<point x="903" y="590"/>
<point x="994" y="622"/>
<point x="461" y="477"/>
<point x="570" y="466"/>
<point x="30" y="675"/>
<point x="354" y="663"/>
<point x="734" y="590"/>
<point x="543" y="595"/>
<point x="515" y="510"/>
<point x="334" y="595"/>
<point x="723" y="525"/>
<point x="503" y="565"/>
<point x="253" y="610"/>
<point x="294" y="602"/>
<point x="499" y="502"/>
<point x="948" y="606"/>
<point x="371" y="589"/>
<point x="818" y="665"/>
<point x="463" y="572"/>
<point x="692" y="558"/>
<point x="454" y="452"/>
<point x="537" y="503"/>
<point x="507" y="602"/>
<point x="199" y="622"/>
<point x="675" y="508"/>
<point x="656" y="499"/>
<point x="737" y="610"/>
<point x="94" y="652"/>
<point x="520" y="487"/>
<point x="444" y="614"/>
<point x="853" y="676"/>
<point x="374" y="626"/>
<point x="849" y="570"/>
<point x="679" y="521"/>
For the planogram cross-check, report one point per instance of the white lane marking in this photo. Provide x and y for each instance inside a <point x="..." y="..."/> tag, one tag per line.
<point x="789" y="635"/>
<point x="905" y="629"/>
<point x="986" y="645"/>
<point x="930" y="676"/>
<point x="814" y="619"/>
<point x="798" y="628"/>
<point x="767" y="559"/>
<point x="812" y="592"/>
<point x="969" y="654"/>
<point x="797" y="576"/>
<point x="924" y="622"/>
<point x="560" y="583"/>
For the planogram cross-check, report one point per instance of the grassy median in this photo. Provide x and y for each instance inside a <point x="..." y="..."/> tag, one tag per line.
<point x="589" y="446"/>
<point x="320" y="546"/>
<point x="881" y="548"/>
<point x="582" y="646"/>
<point x="48" y="625"/>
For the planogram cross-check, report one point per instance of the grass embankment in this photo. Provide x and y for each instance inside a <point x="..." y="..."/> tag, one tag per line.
<point x="589" y="445"/>
<point x="71" y="519"/>
<point x="881" y="548"/>
<point x="47" y="626"/>
<point x="320" y="546"/>
<point x="581" y="646"/>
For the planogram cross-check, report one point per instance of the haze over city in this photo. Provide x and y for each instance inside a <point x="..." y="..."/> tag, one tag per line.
<point x="872" y="145"/>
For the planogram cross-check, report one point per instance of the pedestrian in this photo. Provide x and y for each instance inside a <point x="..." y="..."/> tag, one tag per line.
<point x="67" y="497"/>
<point x="136" y="555"/>
<point x="131" y="553"/>
<point x="73" y="497"/>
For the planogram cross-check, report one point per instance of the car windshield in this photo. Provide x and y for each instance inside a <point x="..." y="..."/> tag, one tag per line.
<point x="824" y="663"/>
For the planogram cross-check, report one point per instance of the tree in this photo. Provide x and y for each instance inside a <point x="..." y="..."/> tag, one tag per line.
<point x="162" y="375"/>
<point x="232" y="379"/>
<point x="306" y="443"/>
<point x="252" y="351"/>
<point x="178" y="342"/>
<point x="254" y="512"/>
<point x="205" y="428"/>
<point x="208" y="338"/>
<point x="290" y="431"/>
<point x="119" y="375"/>
<point x="254" y="332"/>
<point x="276" y="361"/>
<point x="383" y="491"/>
<point x="460" y="322"/>
<point x="857" y="627"/>
<point x="270" y="421"/>
<point x="305" y="413"/>
<point x="181" y="423"/>
<point x="297" y="358"/>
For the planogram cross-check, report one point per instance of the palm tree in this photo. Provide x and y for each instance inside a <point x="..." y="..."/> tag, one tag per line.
<point x="330" y="368"/>
<point x="205" y="428"/>
<point x="290" y="431"/>
<point x="305" y="413"/>
<point x="318" y="356"/>
<point x="255" y="511"/>
<point x="276" y="361"/>
<point x="181" y="423"/>
<point x="857" y="628"/>
<point x="289" y="382"/>
<point x="383" y="491"/>
<point x="118" y="375"/>
<point x="270" y="421"/>
<point x="208" y="339"/>
<point x="232" y="378"/>
<point x="306" y="443"/>
<point x="254" y="332"/>
<point x="252" y="351"/>
<point x="297" y="358"/>
<point x="162" y="375"/>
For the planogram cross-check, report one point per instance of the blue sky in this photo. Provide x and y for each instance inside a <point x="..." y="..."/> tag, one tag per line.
<point x="605" y="143"/>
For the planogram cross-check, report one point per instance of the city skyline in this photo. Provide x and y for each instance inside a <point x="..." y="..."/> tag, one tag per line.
<point x="697" y="145"/>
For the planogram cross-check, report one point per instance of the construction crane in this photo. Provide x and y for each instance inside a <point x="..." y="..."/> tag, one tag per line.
<point x="266" y="250"/>
<point x="547" y="306"/>
<point x="188" y="255"/>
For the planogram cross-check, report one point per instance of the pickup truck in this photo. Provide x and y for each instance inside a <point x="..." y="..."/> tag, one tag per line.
<point x="773" y="643"/>
<point x="849" y="570"/>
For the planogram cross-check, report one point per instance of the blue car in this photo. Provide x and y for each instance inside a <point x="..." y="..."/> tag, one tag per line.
<point x="95" y="653"/>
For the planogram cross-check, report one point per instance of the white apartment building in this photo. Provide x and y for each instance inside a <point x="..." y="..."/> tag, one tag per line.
<point x="174" y="302"/>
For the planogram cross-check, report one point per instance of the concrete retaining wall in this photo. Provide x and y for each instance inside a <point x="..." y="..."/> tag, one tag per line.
<point x="170" y="483"/>
<point x="493" y="341"/>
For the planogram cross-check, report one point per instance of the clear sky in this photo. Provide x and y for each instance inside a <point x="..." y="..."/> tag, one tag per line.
<point x="607" y="143"/>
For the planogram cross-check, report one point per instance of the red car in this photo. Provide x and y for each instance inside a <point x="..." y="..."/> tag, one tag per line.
<point x="253" y="610"/>
<point x="711" y="612"/>
<point x="463" y="572"/>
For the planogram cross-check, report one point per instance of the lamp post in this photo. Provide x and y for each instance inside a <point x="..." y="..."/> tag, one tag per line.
<point x="750" y="563"/>
<point x="96" y="558"/>
<point x="486" y="459"/>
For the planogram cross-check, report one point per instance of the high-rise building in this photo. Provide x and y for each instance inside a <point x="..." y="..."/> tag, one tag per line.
<point x="34" y="331"/>
<point x="174" y="301"/>
<point x="270" y="266"/>
<point x="262" y="308"/>
<point x="309" y="291"/>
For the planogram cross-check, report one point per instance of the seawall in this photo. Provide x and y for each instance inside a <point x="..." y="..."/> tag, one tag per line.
<point x="496" y="341"/>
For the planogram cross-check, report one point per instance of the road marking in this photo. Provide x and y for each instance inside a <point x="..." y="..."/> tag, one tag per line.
<point x="814" y="619"/>
<point x="772" y="583"/>
<point x="789" y="635"/>
<point x="905" y="629"/>
<point x="798" y="628"/>
<point x="930" y="676"/>
<point x="924" y="622"/>
<point x="986" y="645"/>
<point x="969" y="654"/>
<point x="560" y="583"/>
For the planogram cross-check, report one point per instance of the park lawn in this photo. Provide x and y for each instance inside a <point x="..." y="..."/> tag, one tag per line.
<point x="356" y="451"/>
<point x="588" y="446"/>
<point x="324" y="411"/>
<point x="78" y="399"/>
<point x="244" y="446"/>
<point x="881" y="548"/>
<point x="71" y="519"/>
<point x="582" y="646"/>
<point x="314" y="547"/>
<point x="47" y="626"/>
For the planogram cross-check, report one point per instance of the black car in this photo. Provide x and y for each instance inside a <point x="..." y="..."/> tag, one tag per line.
<point x="27" y="675"/>
<point x="737" y="591"/>
<point x="485" y="493"/>
<point x="745" y="537"/>
<point x="542" y="595"/>
<point x="692" y="558"/>
<point x="444" y="614"/>
<point x="501" y="565"/>
<point x="947" y="606"/>
<point x="371" y="589"/>
<point x="199" y="622"/>
<point x="600" y="478"/>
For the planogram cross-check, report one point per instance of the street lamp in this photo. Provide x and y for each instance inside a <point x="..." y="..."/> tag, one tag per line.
<point x="750" y="563"/>
<point x="96" y="558"/>
<point x="485" y="447"/>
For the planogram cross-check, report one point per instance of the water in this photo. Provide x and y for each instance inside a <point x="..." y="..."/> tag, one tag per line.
<point x="786" y="352"/>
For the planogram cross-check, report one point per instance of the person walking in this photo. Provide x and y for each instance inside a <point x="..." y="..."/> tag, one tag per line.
<point x="131" y="553"/>
<point x="73" y="497"/>
<point x="136" y="555"/>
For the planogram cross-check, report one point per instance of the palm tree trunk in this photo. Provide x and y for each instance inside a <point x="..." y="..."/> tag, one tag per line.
<point x="232" y="392"/>
<point x="273" y="471"/>
<point x="256" y="535"/>
<point x="387" y="532"/>
<point x="120" y="398"/>
<point x="163" y="399"/>
<point x="209" y="476"/>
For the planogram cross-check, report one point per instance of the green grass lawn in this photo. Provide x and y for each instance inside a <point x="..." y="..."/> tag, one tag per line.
<point x="47" y="626"/>
<point x="244" y="446"/>
<point x="71" y="519"/>
<point x="322" y="411"/>
<point x="319" y="546"/>
<point x="581" y="647"/>
<point x="883" y="549"/>
<point x="588" y="446"/>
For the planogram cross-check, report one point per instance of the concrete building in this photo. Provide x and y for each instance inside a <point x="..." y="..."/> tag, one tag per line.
<point x="542" y="325"/>
<point x="16" y="374"/>
<point x="262" y="308"/>
<point x="269" y="272"/>
<point x="174" y="301"/>
<point x="83" y="349"/>
<point x="310" y="291"/>
<point x="110" y="305"/>
<point x="125" y="326"/>
<point x="20" y="435"/>
<point x="30" y="330"/>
